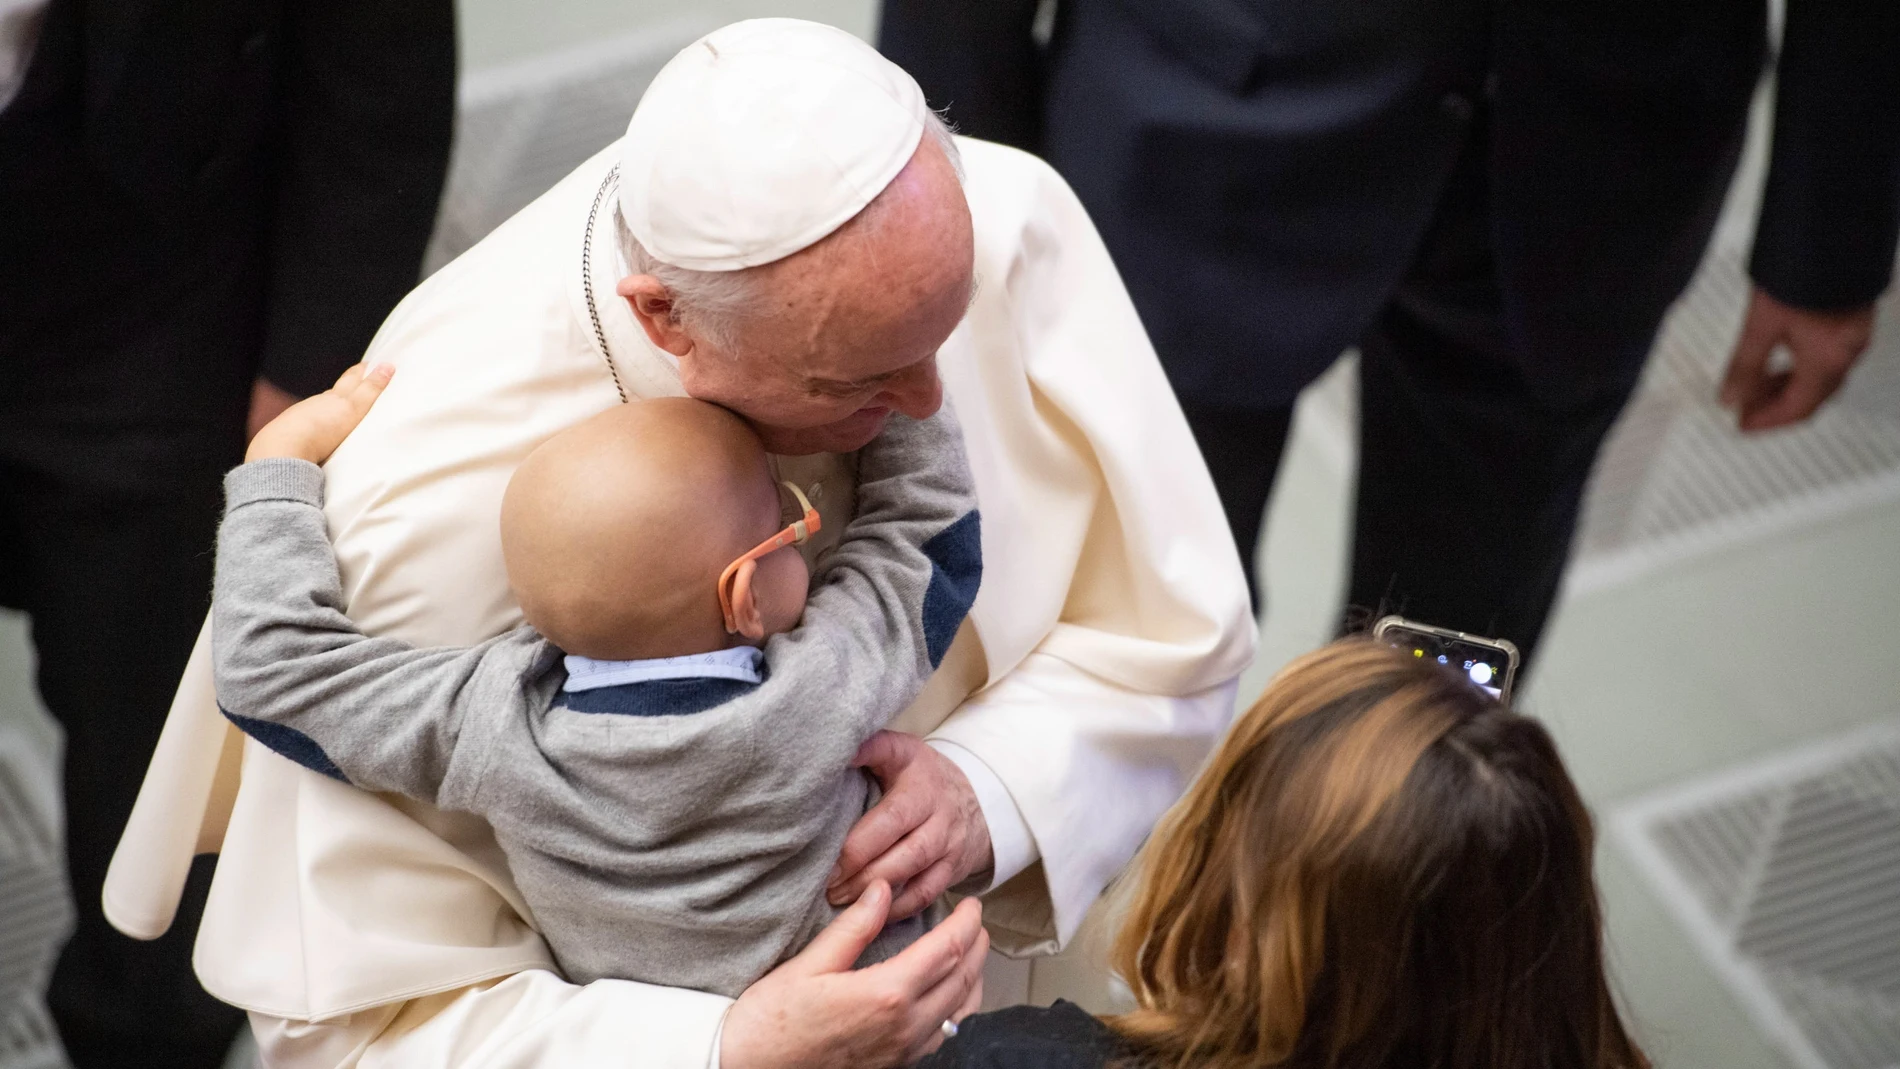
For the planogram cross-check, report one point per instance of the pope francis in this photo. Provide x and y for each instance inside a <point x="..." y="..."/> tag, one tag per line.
<point x="785" y="230"/>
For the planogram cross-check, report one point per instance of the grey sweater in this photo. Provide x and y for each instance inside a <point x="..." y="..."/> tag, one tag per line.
<point x="676" y="832"/>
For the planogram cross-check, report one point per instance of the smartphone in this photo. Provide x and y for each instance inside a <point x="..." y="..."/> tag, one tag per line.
<point x="1490" y="663"/>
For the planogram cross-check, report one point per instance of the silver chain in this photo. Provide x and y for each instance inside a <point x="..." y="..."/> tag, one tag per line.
<point x="587" y="278"/>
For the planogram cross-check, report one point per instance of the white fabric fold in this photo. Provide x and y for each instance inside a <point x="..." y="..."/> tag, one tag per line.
<point x="531" y="1020"/>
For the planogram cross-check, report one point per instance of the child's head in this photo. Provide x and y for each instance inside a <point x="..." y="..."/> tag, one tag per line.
<point x="1381" y="866"/>
<point x="616" y="530"/>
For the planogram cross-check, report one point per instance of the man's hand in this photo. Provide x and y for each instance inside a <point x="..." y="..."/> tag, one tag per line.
<point x="312" y="428"/>
<point x="814" y="1012"/>
<point x="268" y="401"/>
<point x="924" y="836"/>
<point x="1824" y="346"/>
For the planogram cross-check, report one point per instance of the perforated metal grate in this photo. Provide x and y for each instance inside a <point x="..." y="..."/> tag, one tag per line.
<point x="35" y="915"/>
<point x="1787" y="875"/>
<point x="1675" y="479"/>
<point x="28" y="1040"/>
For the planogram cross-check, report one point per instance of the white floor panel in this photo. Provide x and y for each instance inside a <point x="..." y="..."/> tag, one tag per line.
<point x="1786" y="873"/>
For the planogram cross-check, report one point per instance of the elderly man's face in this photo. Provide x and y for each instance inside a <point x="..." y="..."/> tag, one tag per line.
<point x="852" y="325"/>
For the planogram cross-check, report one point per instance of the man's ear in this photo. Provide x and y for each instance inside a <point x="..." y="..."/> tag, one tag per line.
<point x="652" y="305"/>
<point x="745" y="602"/>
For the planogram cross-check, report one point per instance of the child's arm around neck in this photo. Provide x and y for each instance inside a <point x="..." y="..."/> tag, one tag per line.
<point x="291" y="669"/>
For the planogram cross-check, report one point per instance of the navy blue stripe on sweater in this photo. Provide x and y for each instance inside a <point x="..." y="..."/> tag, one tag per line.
<point x="659" y="697"/>
<point x="656" y="697"/>
<point x="956" y="571"/>
<point x="287" y="742"/>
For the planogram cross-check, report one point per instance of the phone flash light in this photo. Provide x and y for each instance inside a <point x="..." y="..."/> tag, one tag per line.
<point x="1480" y="673"/>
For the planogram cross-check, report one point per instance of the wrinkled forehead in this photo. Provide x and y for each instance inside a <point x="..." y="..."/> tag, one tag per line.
<point x="860" y="323"/>
<point x="911" y="247"/>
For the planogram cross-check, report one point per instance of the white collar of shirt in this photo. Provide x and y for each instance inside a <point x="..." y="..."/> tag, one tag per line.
<point x="743" y="663"/>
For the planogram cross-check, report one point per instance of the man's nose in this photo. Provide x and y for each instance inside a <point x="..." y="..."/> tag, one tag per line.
<point x="917" y="393"/>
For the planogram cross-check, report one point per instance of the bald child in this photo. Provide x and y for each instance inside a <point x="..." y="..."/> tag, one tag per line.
<point x="668" y="771"/>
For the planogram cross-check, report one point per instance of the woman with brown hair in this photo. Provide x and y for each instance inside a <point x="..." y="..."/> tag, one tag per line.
<point x="1381" y="867"/>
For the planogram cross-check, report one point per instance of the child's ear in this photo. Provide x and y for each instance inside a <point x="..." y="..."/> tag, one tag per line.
<point x="745" y="602"/>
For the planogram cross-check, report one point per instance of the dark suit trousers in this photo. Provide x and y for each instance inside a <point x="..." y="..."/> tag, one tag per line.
<point x="1470" y="479"/>
<point x="106" y="531"/>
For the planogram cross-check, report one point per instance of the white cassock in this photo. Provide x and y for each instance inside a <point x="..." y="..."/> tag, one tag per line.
<point x="1093" y="675"/>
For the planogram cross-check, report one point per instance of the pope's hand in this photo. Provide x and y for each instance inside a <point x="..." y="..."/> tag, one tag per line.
<point x="312" y="428"/>
<point x="815" y="1012"/>
<point x="1823" y="347"/>
<point x="924" y="836"/>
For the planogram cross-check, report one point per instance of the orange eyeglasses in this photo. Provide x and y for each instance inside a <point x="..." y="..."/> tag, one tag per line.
<point x="795" y="533"/>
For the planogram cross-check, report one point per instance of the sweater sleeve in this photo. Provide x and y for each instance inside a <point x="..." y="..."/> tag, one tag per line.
<point x="294" y="673"/>
<point x="887" y="603"/>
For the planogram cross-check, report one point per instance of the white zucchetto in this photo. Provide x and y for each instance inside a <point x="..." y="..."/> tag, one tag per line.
<point x="759" y="139"/>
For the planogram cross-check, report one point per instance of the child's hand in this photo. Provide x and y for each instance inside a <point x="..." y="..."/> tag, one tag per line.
<point x="312" y="428"/>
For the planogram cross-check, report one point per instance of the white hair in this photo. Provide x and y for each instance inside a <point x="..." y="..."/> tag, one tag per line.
<point x="714" y="303"/>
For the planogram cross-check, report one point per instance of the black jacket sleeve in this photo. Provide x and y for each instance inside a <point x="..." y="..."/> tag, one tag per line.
<point x="977" y="60"/>
<point x="1061" y="1036"/>
<point x="369" y="105"/>
<point x="1831" y="209"/>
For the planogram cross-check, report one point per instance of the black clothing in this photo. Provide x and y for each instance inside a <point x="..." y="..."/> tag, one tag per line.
<point x="1242" y="447"/>
<point x="192" y="194"/>
<point x="1496" y="201"/>
<point x="1061" y="1036"/>
<point x="279" y="162"/>
<point x="1469" y="483"/>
